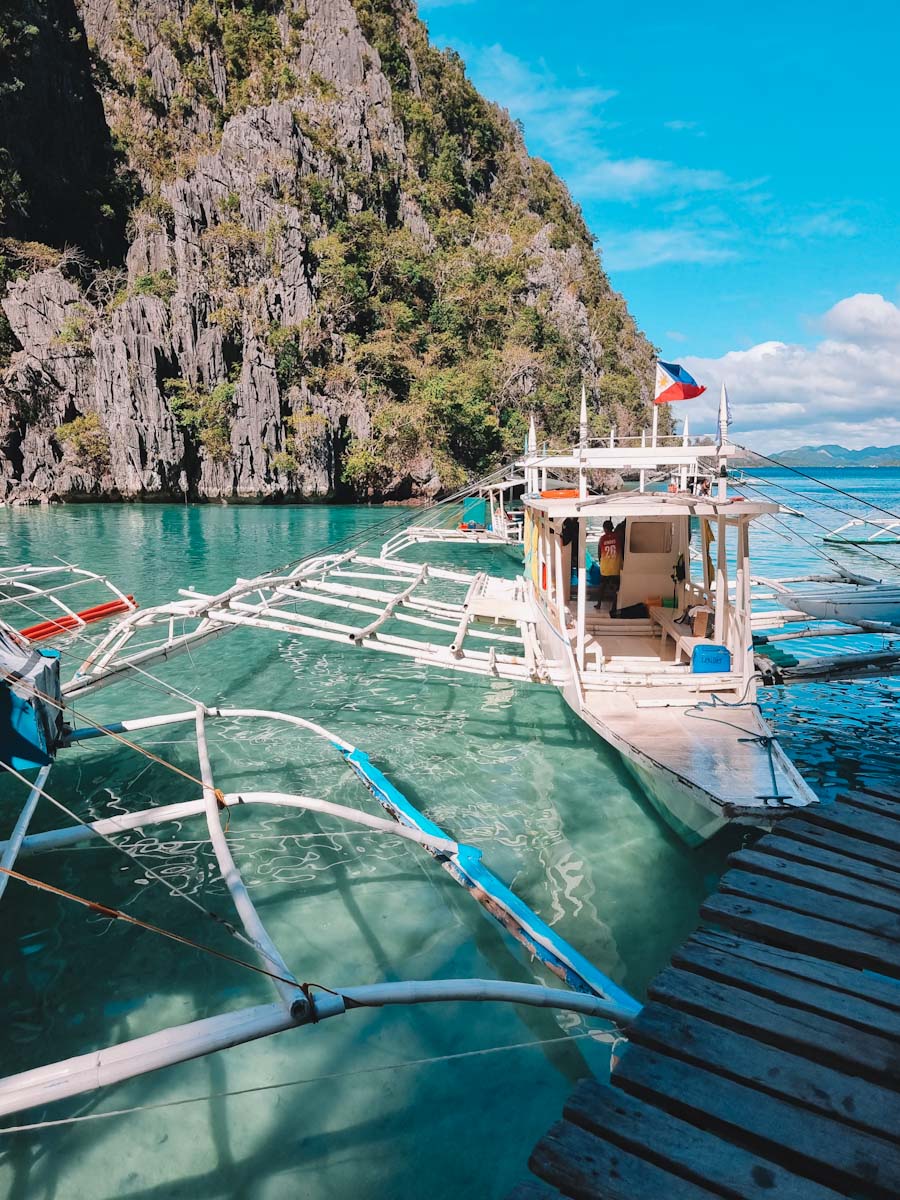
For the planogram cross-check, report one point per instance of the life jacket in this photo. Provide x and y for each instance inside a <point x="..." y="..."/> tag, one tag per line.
<point x="610" y="555"/>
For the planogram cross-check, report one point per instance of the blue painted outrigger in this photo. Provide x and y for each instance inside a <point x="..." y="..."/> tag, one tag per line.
<point x="467" y="868"/>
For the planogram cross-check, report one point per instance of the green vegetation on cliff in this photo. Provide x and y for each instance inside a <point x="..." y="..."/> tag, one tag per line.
<point x="333" y="215"/>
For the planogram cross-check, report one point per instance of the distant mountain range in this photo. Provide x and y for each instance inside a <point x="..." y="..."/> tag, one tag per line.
<point x="832" y="456"/>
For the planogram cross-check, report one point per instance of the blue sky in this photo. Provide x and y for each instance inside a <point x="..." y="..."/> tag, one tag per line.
<point x="737" y="164"/>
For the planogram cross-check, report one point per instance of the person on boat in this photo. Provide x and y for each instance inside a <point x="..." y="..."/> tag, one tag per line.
<point x="611" y="553"/>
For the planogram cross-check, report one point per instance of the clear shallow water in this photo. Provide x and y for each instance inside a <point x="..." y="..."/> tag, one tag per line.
<point x="507" y="768"/>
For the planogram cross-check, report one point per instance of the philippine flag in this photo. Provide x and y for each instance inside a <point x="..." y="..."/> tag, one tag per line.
<point x="674" y="383"/>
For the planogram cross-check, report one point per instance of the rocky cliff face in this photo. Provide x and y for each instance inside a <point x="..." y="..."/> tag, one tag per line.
<point x="343" y="275"/>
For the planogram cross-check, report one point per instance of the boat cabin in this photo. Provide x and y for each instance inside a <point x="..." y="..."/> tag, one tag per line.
<point x="683" y="600"/>
<point x="674" y="579"/>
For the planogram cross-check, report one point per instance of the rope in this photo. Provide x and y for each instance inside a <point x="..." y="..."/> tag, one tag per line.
<point x="773" y="483"/>
<point x="120" y="914"/>
<point x="821" y="482"/>
<point x="760" y="739"/>
<point x="170" y="887"/>
<point x="289" y="1083"/>
<point x="220" y="795"/>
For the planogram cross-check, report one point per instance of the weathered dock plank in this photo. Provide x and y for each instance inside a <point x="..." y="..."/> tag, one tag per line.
<point x="804" y="1142"/>
<point x="683" y="1149"/>
<point x="795" y="1030"/>
<point x="879" y="802"/>
<point x="820" y="879"/>
<point x="799" y="1080"/>
<point x="863" y="984"/>
<point x="846" y="818"/>
<point x="766" y="1061"/>
<point x="814" y="994"/>
<point x="848" y="843"/>
<point x="828" y="860"/>
<point x="809" y="935"/>
<point x="801" y="899"/>
<point x="589" y="1168"/>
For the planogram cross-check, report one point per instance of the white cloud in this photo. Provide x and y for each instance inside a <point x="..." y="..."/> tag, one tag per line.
<point x="628" y="178"/>
<point x="844" y="389"/>
<point x="685" y="127"/>
<point x="635" y="249"/>
<point x="565" y="122"/>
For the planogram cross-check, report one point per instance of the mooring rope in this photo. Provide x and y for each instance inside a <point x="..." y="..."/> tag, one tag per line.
<point x="107" y="910"/>
<point x="172" y="888"/>
<point x="821" y="482"/>
<point x="594" y="1035"/>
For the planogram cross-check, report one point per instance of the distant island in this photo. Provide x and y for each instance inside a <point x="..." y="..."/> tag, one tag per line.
<point x="829" y="456"/>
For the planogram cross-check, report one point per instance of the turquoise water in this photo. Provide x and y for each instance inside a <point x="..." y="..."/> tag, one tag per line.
<point x="502" y="766"/>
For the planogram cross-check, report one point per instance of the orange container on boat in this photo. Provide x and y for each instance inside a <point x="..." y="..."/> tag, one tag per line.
<point x="561" y="494"/>
<point x="653" y="602"/>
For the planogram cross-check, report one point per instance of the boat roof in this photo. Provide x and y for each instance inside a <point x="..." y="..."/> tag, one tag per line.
<point x="650" y="504"/>
<point x="630" y="455"/>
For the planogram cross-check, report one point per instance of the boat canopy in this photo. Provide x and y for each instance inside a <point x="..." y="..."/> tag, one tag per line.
<point x="650" y="504"/>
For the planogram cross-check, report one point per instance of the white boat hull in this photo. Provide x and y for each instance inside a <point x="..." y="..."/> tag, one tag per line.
<point x="848" y="602"/>
<point x="700" y="767"/>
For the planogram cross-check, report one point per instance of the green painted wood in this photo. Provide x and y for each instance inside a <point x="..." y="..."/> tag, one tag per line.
<point x="829" y="860"/>
<point x="587" y="1168"/>
<point x="879" y="991"/>
<point x="808" y="935"/>
<point x="723" y="1168"/>
<point x="796" y="898"/>
<point x="806" y="993"/>
<point x="848" y="842"/>
<point x="795" y="1030"/>
<point x="803" y="1142"/>
<point x="825" y="1090"/>
<point x="820" y="879"/>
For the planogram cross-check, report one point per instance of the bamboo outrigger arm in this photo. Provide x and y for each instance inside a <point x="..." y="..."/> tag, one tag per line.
<point x="591" y="994"/>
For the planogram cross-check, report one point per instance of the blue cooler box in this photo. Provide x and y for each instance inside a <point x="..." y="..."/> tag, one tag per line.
<point x="710" y="660"/>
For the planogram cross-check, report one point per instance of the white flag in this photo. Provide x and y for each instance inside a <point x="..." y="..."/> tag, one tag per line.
<point x="724" y="416"/>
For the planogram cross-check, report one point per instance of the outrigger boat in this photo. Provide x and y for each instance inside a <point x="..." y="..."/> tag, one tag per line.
<point x="884" y="532"/>
<point x="676" y="697"/>
<point x="37" y="723"/>
<point x="868" y="603"/>
<point x="676" y="700"/>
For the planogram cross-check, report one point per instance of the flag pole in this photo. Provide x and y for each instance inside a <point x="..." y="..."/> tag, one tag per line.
<point x="655" y="423"/>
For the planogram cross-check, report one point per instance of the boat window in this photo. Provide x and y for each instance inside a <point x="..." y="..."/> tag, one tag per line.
<point x="651" y="537"/>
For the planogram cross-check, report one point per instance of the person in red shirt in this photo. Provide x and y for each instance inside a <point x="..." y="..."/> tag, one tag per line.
<point x="610" y="553"/>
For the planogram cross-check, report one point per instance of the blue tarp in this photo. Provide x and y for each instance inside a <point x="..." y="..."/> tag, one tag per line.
<point x="30" y="725"/>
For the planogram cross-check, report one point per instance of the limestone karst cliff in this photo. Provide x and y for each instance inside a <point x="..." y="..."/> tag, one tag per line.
<point x="278" y="248"/>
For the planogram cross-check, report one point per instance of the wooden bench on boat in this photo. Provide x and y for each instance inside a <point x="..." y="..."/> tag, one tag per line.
<point x="680" y="635"/>
<point x="764" y="1063"/>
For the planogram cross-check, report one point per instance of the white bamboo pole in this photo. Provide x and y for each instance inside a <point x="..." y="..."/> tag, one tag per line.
<point x="456" y="646"/>
<point x="581" y="611"/>
<point x="359" y="634"/>
<point x="12" y="847"/>
<point x="269" y="954"/>
<point x="721" y="580"/>
<point x="73" y="835"/>
<point x="181" y="1043"/>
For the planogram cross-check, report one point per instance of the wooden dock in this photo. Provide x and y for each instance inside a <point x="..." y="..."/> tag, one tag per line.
<point x="766" y="1062"/>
